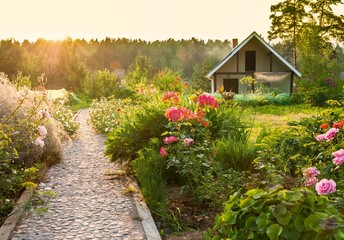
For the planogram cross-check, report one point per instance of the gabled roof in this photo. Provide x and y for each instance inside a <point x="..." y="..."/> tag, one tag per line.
<point x="237" y="49"/>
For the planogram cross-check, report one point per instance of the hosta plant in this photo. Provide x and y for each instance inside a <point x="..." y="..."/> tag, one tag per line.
<point x="278" y="213"/>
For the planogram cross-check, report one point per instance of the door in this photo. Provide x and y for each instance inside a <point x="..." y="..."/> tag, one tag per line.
<point x="231" y="84"/>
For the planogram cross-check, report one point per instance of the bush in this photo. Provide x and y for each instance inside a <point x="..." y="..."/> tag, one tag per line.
<point x="278" y="214"/>
<point x="135" y="130"/>
<point x="100" y="84"/>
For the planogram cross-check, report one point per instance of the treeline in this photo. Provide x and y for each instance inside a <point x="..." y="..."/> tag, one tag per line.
<point x="65" y="63"/>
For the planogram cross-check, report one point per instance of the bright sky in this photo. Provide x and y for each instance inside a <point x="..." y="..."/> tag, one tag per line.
<point x="146" y="19"/>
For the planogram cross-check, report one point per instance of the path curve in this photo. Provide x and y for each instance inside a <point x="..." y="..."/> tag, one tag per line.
<point x="89" y="205"/>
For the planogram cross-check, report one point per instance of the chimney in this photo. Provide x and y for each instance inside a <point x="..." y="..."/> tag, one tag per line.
<point x="234" y="42"/>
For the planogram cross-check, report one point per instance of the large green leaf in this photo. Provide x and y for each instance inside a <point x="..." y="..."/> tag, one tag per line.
<point x="299" y="223"/>
<point x="273" y="231"/>
<point x="281" y="214"/>
<point x="290" y="233"/>
<point x="312" y="222"/>
<point x="250" y="223"/>
<point x="229" y="217"/>
<point x="292" y="195"/>
<point x="246" y="203"/>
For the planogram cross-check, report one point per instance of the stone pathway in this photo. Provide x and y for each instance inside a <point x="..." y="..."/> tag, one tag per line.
<point x="89" y="205"/>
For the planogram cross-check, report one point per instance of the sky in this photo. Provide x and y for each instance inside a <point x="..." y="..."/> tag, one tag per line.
<point x="135" y="19"/>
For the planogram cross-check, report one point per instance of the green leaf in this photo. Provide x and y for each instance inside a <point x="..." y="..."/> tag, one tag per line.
<point x="299" y="223"/>
<point x="263" y="221"/>
<point x="229" y="217"/>
<point x="246" y="203"/>
<point x="165" y="133"/>
<point x="289" y="232"/>
<point x="292" y="195"/>
<point x="312" y="222"/>
<point x="281" y="214"/>
<point x="250" y="223"/>
<point x="273" y="231"/>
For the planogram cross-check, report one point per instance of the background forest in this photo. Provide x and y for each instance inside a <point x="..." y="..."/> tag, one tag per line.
<point x="66" y="63"/>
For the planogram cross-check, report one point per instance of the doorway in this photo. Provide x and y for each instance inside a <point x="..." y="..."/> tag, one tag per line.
<point x="231" y="84"/>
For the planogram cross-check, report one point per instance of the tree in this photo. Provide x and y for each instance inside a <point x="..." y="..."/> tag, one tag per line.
<point x="287" y="20"/>
<point x="329" y="24"/>
<point x="198" y="79"/>
<point x="139" y="71"/>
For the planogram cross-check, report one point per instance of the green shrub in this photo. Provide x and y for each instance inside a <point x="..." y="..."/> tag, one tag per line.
<point x="135" y="131"/>
<point x="100" y="84"/>
<point x="278" y="214"/>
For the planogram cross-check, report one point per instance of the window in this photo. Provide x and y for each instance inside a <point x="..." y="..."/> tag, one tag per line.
<point x="250" y="61"/>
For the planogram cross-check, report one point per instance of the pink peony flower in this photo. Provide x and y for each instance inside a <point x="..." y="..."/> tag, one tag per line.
<point x="331" y="133"/>
<point x="338" y="157"/>
<point x="42" y="131"/>
<point x="170" y="139"/>
<point x="188" y="142"/>
<point x="320" y="137"/>
<point x="324" y="186"/>
<point x="163" y="152"/>
<point x="39" y="141"/>
<point x="310" y="172"/>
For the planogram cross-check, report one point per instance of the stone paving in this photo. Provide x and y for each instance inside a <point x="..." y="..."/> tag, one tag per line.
<point x="89" y="205"/>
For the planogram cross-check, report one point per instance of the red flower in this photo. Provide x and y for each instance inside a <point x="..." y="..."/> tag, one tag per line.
<point x="324" y="126"/>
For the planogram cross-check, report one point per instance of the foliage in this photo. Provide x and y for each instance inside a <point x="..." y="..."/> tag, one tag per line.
<point x="169" y="80"/>
<point x="106" y="114"/>
<point x="100" y="84"/>
<point x="139" y="72"/>
<point x="248" y="81"/>
<point x="28" y="140"/>
<point x="278" y="213"/>
<point x="261" y="99"/>
<point x="65" y="116"/>
<point x="135" y="130"/>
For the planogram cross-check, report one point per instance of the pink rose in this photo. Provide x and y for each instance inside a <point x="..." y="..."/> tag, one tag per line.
<point x="324" y="186"/>
<point x="338" y="157"/>
<point x="320" y="137"/>
<point x="45" y="114"/>
<point x="331" y="133"/>
<point x="163" y="152"/>
<point x="310" y="172"/>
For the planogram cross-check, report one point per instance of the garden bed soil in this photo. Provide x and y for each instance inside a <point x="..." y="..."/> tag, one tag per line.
<point x="197" y="218"/>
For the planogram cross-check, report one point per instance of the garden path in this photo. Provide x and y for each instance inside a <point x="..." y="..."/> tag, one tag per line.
<point x="89" y="205"/>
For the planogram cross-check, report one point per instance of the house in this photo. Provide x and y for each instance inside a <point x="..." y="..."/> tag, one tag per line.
<point x="253" y="57"/>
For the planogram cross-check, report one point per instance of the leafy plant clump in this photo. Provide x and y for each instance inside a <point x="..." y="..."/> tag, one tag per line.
<point x="278" y="214"/>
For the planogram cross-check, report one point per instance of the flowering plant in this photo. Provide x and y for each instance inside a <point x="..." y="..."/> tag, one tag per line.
<point x="332" y="141"/>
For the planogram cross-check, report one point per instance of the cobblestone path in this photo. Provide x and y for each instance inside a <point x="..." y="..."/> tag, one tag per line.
<point x="88" y="206"/>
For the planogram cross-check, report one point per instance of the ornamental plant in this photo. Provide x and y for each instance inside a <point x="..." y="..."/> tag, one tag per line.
<point x="278" y="213"/>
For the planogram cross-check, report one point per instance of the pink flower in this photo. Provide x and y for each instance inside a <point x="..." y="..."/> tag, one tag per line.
<point x="324" y="186"/>
<point x="45" y="113"/>
<point x="42" y="131"/>
<point x="174" y="114"/>
<point x="188" y="142"/>
<point x="170" y="139"/>
<point x="331" y="133"/>
<point x="310" y="181"/>
<point x="320" y="137"/>
<point x="338" y="157"/>
<point x="163" y="152"/>
<point x="39" y="141"/>
<point x="310" y="172"/>
<point x="207" y="100"/>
